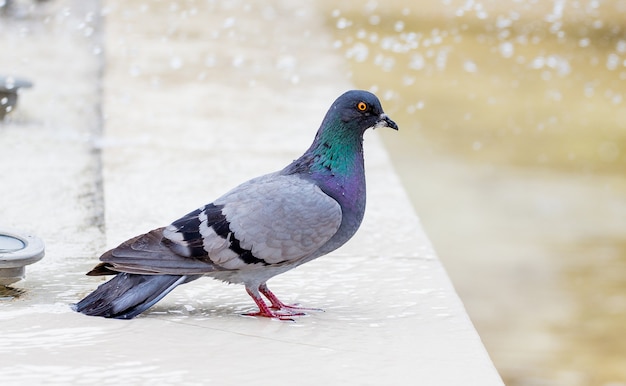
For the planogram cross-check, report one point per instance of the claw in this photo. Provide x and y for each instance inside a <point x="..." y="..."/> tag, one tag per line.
<point x="278" y="305"/>
<point x="264" y="310"/>
<point x="272" y="315"/>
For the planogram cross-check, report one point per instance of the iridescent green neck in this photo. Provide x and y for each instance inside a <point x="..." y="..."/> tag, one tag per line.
<point x="339" y="151"/>
<point x="335" y="162"/>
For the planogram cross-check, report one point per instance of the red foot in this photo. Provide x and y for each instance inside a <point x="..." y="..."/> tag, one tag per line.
<point x="282" y="311"/>
<point x="265" y="311"/>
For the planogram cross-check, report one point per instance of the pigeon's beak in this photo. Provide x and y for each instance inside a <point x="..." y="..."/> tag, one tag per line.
<point x="385" y="121"/>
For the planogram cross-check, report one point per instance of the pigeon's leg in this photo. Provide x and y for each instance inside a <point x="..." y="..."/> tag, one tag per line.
<point x="264" y="310"/>
<point x="278" y="305"/>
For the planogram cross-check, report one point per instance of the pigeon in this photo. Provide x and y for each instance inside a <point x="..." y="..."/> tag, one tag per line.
<point x="261" y="228"/>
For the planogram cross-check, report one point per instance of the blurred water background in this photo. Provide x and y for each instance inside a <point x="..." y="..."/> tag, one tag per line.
<point x="512" y="147"/>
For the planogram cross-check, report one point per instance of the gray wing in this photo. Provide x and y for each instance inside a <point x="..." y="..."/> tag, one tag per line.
<point x="272" y="219"/>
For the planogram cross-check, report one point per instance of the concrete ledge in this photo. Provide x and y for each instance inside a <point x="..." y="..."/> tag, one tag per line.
<point x="186" y="118"/>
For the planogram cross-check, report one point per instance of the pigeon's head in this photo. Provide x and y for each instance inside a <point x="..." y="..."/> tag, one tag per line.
<point x="338" y="146"/>
<point x="359" y="110"/>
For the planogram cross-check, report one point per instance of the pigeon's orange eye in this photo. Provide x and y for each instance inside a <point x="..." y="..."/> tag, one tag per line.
<point x="362" y="106"/>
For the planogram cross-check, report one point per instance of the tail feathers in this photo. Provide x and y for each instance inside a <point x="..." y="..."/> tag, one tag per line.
<point x="127" y="295"/>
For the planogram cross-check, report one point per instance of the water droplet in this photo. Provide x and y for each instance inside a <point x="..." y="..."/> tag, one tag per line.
<point x="612" y="61"/>
<point x="286" y="62"/>
<point x="238" y="61"/>
<point x="417" y="62"/>
<point x="388" y="95"/>
<point x="343" y="23"/>
<point x="503" y="22"/>
<point x="616" y="99"/>
<point x="370" y="6"/>
<point x="506" y="49"/>
<point x="176" y="62"/>
<point x="470" y="66"/>
<point x="385" y="62"/>
<point x="359" y="52"/>
<point x="442" y="59"/>
<point x="228" y="23"/>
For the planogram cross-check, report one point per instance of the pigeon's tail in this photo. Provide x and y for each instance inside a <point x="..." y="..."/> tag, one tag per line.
<point x="127" y="295"/>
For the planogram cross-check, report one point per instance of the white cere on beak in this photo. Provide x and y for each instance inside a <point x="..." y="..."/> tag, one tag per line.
<point x="382" y="121"/>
